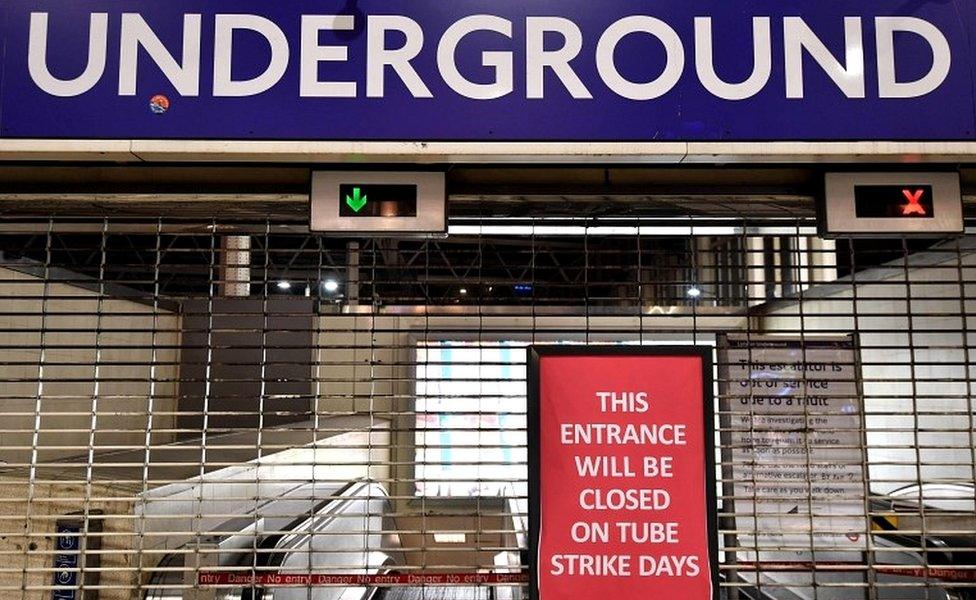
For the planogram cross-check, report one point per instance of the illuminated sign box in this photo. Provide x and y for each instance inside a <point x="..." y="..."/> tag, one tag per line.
<point x="378" y="202"/>
<point x="368" y="201"/>
<point x="891" y="204"/>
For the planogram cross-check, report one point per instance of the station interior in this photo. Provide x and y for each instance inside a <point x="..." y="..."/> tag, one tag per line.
<point x="192" y="382"/>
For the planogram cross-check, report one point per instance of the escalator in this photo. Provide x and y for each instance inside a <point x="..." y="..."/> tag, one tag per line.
<point x="348" y="530"/>
<point x="312" y="528"/>
<point x="918" y="509"/>
<point x="901" y="554"/>
<point x="435" y="593"/>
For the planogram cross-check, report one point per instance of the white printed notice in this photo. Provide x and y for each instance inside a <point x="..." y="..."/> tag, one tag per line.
<point x="792" y="419"/>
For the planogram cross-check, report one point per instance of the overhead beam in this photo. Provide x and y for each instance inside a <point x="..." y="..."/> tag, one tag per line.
<point x="284" y="152"/>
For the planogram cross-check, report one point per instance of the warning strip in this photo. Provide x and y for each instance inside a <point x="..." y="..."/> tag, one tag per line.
<point x="884" y="523"/>
<point x="952" y="574"/>
<point x="248" y="579"/>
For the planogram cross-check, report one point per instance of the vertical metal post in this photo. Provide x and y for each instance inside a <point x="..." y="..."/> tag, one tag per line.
<point x="352" y="274"/>
<point x="755" y="270"/>
<point x="823" y="260"/>
<point x="705" y="278"/>
<point x="778" y="279"/>
<point x="801" y="263"/>
<point x="235" y="266"/>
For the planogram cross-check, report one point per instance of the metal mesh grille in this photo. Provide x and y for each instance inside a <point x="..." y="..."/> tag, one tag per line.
<point x="185" y="397"/>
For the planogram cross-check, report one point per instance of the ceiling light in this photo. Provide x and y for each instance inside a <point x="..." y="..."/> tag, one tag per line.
<point x="331" y="285"/>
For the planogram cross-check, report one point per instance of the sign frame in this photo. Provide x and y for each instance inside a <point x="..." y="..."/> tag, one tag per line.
<point x="836" y="206"/>
<point x="535" y="354"/>
<point x="325" y="202"/>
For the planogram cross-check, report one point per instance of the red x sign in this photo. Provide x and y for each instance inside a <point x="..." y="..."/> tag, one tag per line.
<point x="914" y="206"/>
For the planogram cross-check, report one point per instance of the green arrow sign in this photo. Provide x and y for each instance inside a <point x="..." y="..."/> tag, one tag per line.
<point x="357" y="201"/>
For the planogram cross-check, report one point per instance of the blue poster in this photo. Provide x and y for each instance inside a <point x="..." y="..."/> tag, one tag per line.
<point x="506" y="70"/>
<point x="66" y="561"/>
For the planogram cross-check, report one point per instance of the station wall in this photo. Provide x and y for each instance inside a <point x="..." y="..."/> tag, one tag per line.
<point x="77" y="330"/>
<point x="916" y="353"/>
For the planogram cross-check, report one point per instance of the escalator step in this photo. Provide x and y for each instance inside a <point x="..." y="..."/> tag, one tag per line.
<point x="435" y="593"/>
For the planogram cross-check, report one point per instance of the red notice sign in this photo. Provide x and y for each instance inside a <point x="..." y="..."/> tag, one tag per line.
<point x="622" y="478"/>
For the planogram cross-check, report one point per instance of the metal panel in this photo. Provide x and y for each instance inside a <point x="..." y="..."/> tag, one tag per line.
<point x="376" y="425"/>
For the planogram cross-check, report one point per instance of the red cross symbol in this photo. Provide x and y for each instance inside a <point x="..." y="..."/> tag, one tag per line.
<point x="914" y="207"/>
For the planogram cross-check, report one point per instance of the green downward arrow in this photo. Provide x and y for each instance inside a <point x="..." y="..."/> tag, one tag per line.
<point x="356" y="202"/>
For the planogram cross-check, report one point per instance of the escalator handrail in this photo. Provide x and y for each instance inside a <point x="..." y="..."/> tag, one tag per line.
<point x="327" y="508"/>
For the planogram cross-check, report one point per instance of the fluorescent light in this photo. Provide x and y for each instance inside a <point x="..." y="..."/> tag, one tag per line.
<point x="464" y="291"/>
<point x="331" y="285"/>
<point x="284" y="285"/>
<point x="694" y="292"/>
<point x="613" y="230"/>
<point x="450" y="538"/>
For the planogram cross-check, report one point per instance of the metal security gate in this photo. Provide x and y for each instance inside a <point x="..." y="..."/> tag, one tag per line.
<point x="223" y="409"/>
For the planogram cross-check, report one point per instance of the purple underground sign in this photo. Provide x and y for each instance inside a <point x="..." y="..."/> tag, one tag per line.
<point x="545" y="70"/>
